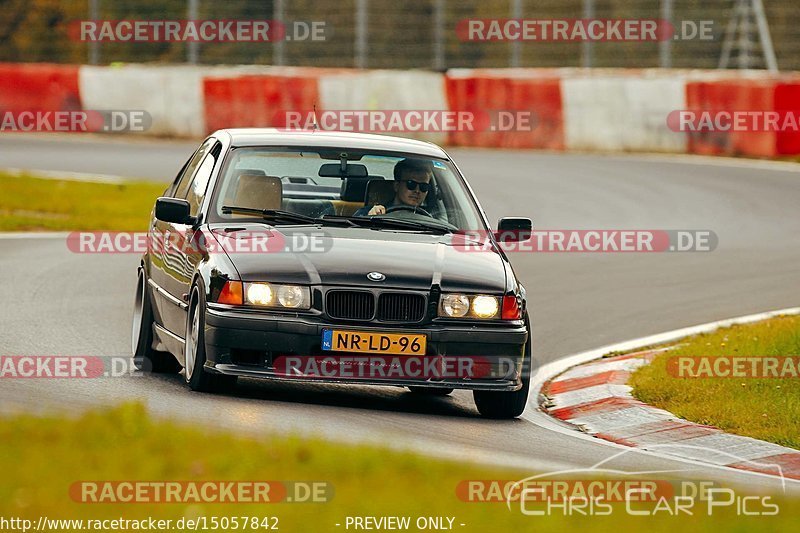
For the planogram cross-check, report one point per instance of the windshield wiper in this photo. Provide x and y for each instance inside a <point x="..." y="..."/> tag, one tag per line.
<point x="383" y="222"/>
<point x="277" y="215"/>
<point x="274" y="215"/>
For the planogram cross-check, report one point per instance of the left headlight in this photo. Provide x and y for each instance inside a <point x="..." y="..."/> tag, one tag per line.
<point x="469" y="306"/>
<point x="279" y="296"/>
<point x="480" y="306"/>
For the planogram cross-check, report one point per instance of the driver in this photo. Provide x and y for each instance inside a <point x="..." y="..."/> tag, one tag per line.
<point x="412" y="183"/>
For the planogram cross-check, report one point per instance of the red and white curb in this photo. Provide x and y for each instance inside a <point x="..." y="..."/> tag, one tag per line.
<point x="595" y="398"/>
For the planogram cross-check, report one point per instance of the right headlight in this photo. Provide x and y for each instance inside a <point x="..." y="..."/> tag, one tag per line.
<point x="272" y="295"/>
<point x="275" y="295"/>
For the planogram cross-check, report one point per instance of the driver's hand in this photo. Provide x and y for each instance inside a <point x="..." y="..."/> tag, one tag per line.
<point x="377" y="210"/>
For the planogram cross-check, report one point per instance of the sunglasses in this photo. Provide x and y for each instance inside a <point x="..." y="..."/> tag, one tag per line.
<point x="412" y="185"/>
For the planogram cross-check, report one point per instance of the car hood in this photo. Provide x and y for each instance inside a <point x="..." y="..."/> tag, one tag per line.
<point x="344" y="257"/>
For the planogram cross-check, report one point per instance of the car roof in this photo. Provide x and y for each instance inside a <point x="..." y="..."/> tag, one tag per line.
<point x="329" y="139"/>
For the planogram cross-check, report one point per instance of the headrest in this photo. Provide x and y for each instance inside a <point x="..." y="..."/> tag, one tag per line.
<point x="355" y="189"/>
<point x="379" y="192"/>
<point x="253" y="171"/>
<point x="259" y="192"/>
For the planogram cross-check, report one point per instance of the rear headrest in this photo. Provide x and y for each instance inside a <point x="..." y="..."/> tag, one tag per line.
<point x="354" y="189"/>
<point x="379" y="192"/>
<point x="259" y="191"/>
<point x="252" y="171"/>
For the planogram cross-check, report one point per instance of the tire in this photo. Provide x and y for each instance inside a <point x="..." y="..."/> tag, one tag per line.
<point x="195" y="374"/>
<point x="145" y="357"/>
<point x="430" y="391"/>
<point x="505" y="405"/>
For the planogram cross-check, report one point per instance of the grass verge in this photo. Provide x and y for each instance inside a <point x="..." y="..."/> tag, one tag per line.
<point x="43" y="456"/>
<point x="763" y="408"/>
<point x="28" y="203"/>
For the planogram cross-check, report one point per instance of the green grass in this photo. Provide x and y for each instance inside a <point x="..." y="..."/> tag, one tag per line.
<point x="41" y="457"/>
<point x="764" y="408"/>
<point x="28" y="203"/>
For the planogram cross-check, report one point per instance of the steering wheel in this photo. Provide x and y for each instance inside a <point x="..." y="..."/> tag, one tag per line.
<point x="408" y="208"/>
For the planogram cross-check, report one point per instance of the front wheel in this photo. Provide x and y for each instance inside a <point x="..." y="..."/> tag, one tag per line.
<point x="502" y="405"/>
<point x="195" y="374"/>
<point x="505" y="405"/>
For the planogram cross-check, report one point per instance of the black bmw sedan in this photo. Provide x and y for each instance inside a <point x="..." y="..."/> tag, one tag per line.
<point x="338" y="257"/>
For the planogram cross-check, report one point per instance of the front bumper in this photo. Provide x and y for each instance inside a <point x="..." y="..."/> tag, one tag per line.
<point x="256" y="344"/>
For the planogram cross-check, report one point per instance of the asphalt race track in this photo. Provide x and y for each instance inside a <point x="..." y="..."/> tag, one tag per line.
<point x="60" y="303"/>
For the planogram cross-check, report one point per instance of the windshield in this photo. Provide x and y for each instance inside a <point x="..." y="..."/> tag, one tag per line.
<point x="334" y="184"/>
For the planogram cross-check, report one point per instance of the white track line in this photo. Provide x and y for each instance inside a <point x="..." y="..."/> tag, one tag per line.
<point x="21" y="235"/>
<point x="656" y="157"/>
<point x="536" y="416"/>
<point x="65" y="175"/>
<point x="708" y="160"/>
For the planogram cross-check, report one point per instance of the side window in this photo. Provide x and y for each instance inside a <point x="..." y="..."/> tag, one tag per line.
<point x="186" y="176"/>
<point x="170" y="192"/>
<point x="197" y="191"/>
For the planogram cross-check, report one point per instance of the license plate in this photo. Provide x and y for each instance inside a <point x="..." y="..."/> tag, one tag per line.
<point x="366" y="342"/>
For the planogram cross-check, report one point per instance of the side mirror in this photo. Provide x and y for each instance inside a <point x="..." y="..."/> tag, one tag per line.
<point x="173" y="210"/>
<point x="514" y="229"/>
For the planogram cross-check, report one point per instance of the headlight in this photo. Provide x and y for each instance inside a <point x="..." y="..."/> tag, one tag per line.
<point x="259" y="294"/>
<point x="485" y="306"/>
<point x="469" y="306"/>
<point x="292" y="296"/>
<point x="454" y="305"/>
<point x="278" y="296"/>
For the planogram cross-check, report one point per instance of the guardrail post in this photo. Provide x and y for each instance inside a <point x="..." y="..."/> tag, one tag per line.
<point x="192" y="47"/>
<point x="362" y="17"/>
<point x="587" y="47"/>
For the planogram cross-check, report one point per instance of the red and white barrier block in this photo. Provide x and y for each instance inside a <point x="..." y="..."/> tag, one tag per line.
<point x="616" y="110"/>
<point x="595" y="398"/>
<point x="38" y="87"/>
